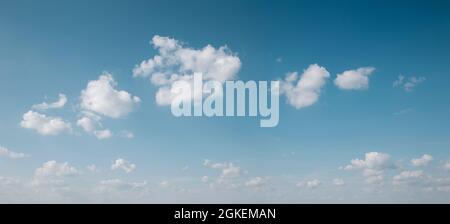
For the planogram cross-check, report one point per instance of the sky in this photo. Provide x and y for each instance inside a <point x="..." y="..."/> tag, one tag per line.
<point x="85" y="114"/>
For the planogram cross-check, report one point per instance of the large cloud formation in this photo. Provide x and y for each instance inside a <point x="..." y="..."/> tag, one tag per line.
<point x="177" y="62"/>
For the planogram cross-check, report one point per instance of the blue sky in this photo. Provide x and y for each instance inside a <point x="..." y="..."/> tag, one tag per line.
<point x="58" y="47"/>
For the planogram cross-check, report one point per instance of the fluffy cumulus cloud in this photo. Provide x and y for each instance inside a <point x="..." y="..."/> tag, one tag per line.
<point x="102" y="97"/>
<point x="422" y="161"/>
<point x="43" y="124"/>
<point x="176" y="62"/>
<point x="372" y="160"/>
<point x="11" y="154"/>
<point x="89" y="121"/>
<point x="408" y="83"/>
<point x="305" y="90"/>
<point x="55" y="105"/>
<point x="53" y="173"/>
<point x="123" y="165"/>
<point x="314" y="183"/>
<point x="372" y="166"/>
<point x="357" y="79"/>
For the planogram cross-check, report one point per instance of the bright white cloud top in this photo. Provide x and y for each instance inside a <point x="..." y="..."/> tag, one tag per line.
<point x="304" y="91"/>
<point x="357" y="79"/>
<point x="372" y="166"/>
<point x="177" y="62"/>
<point x="123" y="165"/>
<point x="102" y="97"/>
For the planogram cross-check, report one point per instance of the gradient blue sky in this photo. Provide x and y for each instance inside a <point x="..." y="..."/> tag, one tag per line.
<point x="52" y="47"/>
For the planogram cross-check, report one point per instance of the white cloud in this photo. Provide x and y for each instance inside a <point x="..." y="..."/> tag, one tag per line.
<point x="256" y="182"/>
<point x="408" y="177"/>
<point x="422" y="161"/>
<point x="123" y="164"/>
<point x="373" y="160"/>
<point x="408" y="84"/>
<point x="89" y="122"/>
<point x="103" y="134"/>
<point x="354" y="79"/>
<point x="307" y="90"/>
<point x="55" y="105"/>
<point x="176" y="62"/>
<point x="309" y="183"/>
<point x="338" y="182"/>
<point x="102" y="97"/>
<point x="228" y="170"/>
<point x="52" y="172"/>
<point x="373" y="166"/>
<point x="44" y="125"/>
<point x="11" y="154"/>
<point x="231" y="171"/>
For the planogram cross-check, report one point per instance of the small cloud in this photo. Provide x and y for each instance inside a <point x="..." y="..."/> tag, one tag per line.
<point x="338" y="182"/>
<point x="279" y="60"/>
<point x="55" y="105"/>
<point x="372" y="166"/>
<point x="103" y="134"/>
<point x="11" y="154"/>
<point x="124" y="165"/>
<point x="229" y="170"/>
<point x="357" y="79"/>
<point x="306" y="91"/>
<point x="256" y="182"/>
<point x="43" y="124"/>
<point x="422" y="161"/>
<point x="102" y="97"/>
<point x="309" y="183"/>
<point x="408" y="84"/>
